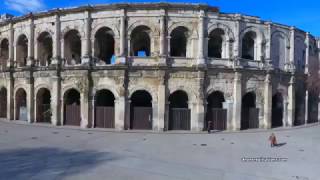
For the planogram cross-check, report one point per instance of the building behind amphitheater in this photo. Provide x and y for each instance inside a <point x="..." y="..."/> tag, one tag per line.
<point x="157" y="66"/>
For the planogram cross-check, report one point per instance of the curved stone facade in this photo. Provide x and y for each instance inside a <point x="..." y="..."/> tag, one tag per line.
<point x="157" y="66"/>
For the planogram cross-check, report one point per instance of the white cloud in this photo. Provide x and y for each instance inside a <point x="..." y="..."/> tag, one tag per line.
<point x="24" y="6"/>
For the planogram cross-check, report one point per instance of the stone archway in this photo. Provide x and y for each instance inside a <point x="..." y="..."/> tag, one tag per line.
<point x="179" y="112"/>
<point x="141" y="110"/>
<point x="104" y="109"/>
<point x="215" y="112"/>
<point x="249" y="112"/>
<point x="3" y="104"/>
<point x="277" y="110"/>
<point x="43" y="106"/>
<point x="21" y="105"/>
<point x="72" y="105"/>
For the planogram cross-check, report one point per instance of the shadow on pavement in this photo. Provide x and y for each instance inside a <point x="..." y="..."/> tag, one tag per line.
<point x="49" y="163"/>
<point x="280" y="144"/>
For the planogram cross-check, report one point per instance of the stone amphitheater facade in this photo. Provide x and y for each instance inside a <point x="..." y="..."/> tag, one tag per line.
<point x="157" y="66"/>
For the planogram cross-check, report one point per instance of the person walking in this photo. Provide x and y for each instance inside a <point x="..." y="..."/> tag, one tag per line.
<point x="273" y="140"/>
<point x="209" y="127"/>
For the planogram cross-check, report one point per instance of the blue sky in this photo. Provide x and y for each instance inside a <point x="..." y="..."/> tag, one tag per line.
<point x="302" y="14"/>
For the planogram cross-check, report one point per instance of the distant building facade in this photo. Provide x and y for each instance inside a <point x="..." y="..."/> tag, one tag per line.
<point x="157" y="67"/>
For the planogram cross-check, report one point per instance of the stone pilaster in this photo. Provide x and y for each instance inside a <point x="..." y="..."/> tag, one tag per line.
<point x="307" y="42"/>
<point x="10" y="97"/>
<point x="56" y="42"/>
<point x="201" y="24"/>
<point x="86" y="41"/>
<point x="122" y="54"/>
<point x="291" y="102"/>
<point x="161" y="107"/>
<point x="237" y="97"/>
<point x="10" y="62"/>
<point x="267" y="122"/>
<point x="120" y="105"/>
<point x="306" y="107"/>
<point x="30" y="100"/>
<point x="56" y="101"/>
<point x="228" y="105"/>
<point x="30" y="59"/>
<point x="85" y="110"/>
<point x="292" y="44"/>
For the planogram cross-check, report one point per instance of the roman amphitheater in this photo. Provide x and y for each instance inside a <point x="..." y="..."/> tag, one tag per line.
<point x="157" y="66"/>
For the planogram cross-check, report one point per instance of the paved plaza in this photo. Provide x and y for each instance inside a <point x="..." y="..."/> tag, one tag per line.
<point x="45" y="152"/>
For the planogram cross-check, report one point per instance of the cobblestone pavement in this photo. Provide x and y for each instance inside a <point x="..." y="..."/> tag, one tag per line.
<point x="45" y="152"/>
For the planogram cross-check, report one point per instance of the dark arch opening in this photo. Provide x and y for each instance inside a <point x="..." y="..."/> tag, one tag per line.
<point x="104" y="109"/>
<point x="277" y="110"/>
<point x="4" y="52"/>
<point x="300" y="108"/>
<point x="313" y="107"/>
<point x="141" y="41"/>
<point x="215" y="43"/>
<point x="72" y="106"/>
<point x="22" y="51"/>
<point x="178" y="42"/>
<point x="141" y="110"/>
<point x="104" y="45"/>
<point x="216" y="116"/>
<point x="248" y="45"/>
<point x="72" y="49"/>
<point x="21" y="105"/>
<point x="179" y="113"/>
<point x="3" y="104"/>
<point x="44" y="106"/>
<point x="44" y="49"/>
<point x="249" y="112"/>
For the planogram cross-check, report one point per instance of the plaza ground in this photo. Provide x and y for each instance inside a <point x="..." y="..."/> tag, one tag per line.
<point x="46" y="152"/>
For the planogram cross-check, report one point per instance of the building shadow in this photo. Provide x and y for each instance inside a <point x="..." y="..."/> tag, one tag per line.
<point x="49" y="163"/>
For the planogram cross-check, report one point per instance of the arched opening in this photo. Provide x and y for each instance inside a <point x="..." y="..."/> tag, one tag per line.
<point x="248" y="45"/>
<point x="21" y="105"/>
<point x="104" y="45"/>
<point x="104" y="109"/>
<point x="141" y="110"/>
<point x="215" y="112"/>
<point x="72" y="106"/>
<point x="178" y="42"/>
<point x="43" y="104"/>
<point x="72" y="47"/>
<point x="313" y="107"/>
<point x="4" y="52"/>
<point x="3" y="104"/>
<point x="249" y="112"/>
<point x="22" y="51"/>
<point x="44" y="49"/>
<point x="215" y="44"/>
<point x="179" y="113"/>
<point x="277" y="110"/>
<point x="141" y="41"/>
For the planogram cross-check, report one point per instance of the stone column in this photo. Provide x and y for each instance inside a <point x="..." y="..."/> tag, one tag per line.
<point x="306" y="114"/>
<point x="292" y="44"/>
<point x="10" y="97"/>
<point x="306" y="70"/>
<point x="291" y="102"/>
<point x="237" y="42"/>
<point x="201" y="60"/>
<point x="161" y="106"/>
<point x="228" y="105"/>
<point x="268" y="42"/>
<point x="267" y="121"/>
<point x="122" y="54"/>
<point x="56" y="41"/>
<point x="30" y="100"/>
<point x="56" y="103"/>
<point x="84" y="110"/>
<point x="237" y="98"/>
<point x="31" y="43"/>
<point x="155" y="116"/>
<point x="10" y="62"/>
<point x="167" y="116"/>
<point x="162" y="35"/>
<point x="86" y="41"/>
<point x="120" y="105"/>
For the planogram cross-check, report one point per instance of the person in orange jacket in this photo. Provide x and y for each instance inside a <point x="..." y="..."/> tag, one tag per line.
<point x="273" y="140"/>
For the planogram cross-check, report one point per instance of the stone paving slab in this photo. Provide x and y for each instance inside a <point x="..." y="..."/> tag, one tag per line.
<point x="46" y="152"/>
